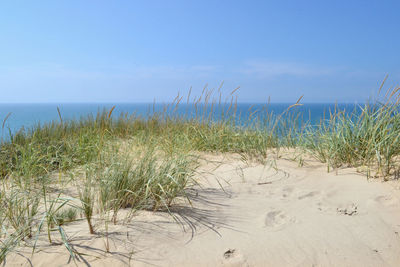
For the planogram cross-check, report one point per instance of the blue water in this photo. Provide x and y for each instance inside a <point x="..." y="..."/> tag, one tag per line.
<point x="27" y="115"/>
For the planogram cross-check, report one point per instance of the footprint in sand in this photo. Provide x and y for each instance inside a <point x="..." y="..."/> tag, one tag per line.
<point x="323" y="207"/>
<point x="349" y="209"/>
<point x="287" y="191"/>
<point x="233" y="257"/>
<point x="277" y="219"/>
<point x="311" y="194"/>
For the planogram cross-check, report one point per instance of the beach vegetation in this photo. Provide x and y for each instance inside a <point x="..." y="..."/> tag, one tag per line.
<point x="55" y="173"/>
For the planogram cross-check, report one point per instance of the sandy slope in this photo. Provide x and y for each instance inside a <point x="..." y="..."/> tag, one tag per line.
<point x="264" y="217"/>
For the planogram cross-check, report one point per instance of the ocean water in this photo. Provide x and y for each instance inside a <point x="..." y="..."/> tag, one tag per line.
<point x="27" y="115"/>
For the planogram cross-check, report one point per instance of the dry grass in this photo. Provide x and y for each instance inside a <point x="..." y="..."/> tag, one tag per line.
<point x="134" y="163"/>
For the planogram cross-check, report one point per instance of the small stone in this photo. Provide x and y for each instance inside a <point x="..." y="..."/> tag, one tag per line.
<point x="229" y="253"/>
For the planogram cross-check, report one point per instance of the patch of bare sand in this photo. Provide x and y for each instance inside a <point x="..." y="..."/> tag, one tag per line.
<point x="262" y="216"/>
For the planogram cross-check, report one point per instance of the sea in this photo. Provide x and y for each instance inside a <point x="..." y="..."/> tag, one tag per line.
<point x="15" y="117"/>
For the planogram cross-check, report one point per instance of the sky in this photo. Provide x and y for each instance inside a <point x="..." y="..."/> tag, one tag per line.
<point x="141" y="51"/>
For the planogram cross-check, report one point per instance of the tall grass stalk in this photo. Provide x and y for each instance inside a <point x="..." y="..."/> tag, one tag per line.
<point x="132" y="162"/>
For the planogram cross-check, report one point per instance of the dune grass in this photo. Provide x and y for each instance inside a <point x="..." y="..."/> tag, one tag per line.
<point x="132" y="163"/>
<point x="369" y="136"/>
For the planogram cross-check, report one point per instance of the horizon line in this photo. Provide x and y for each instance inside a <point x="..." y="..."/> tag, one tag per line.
<point x="183" y="103"/>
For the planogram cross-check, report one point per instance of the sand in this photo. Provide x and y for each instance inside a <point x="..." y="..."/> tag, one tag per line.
<point x="249" y="214"/>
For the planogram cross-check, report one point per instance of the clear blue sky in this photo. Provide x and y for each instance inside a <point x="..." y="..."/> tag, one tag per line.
<point x="135" y="51"/>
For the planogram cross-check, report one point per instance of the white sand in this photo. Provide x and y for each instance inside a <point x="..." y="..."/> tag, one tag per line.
<point x="294" y="216"/>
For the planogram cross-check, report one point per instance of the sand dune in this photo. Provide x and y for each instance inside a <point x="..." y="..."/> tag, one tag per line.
<point x="250" y="214"/>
